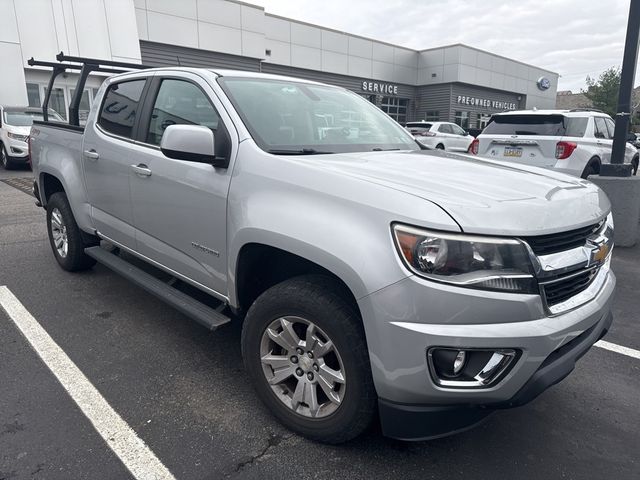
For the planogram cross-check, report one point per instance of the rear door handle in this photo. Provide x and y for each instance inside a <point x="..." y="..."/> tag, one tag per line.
<point x="92" y="154"/>
<point x="141" y="170"/>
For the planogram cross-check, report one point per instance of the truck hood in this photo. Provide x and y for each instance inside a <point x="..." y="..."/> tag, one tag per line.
<point x="482" y="196"/>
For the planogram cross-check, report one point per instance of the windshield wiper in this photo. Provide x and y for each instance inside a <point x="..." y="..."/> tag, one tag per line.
<point x="302" y="151"/>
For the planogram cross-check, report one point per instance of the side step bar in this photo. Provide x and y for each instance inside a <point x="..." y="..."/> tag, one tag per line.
<point x="201" y="313"/>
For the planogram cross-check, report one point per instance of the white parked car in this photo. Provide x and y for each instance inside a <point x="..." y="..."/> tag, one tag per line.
<point x="572" y="141"/>
<point x="440" y="135"/>
<point x="15" y="126"/>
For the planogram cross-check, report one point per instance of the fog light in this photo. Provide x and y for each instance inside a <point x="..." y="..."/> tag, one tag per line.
<point x="469" y="368"/>
<point x="458" y="363"/>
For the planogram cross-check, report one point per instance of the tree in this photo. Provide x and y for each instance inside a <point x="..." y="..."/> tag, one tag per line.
<point x="604" y="92"/>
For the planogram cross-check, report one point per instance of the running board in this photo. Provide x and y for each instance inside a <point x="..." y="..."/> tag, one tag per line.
<point x="201" y="313"/>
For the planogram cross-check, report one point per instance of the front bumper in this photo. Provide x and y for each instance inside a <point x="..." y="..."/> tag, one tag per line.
<point x="18" y="151"/>
<point x="420" y="422"/>
<point x="404" y="320"/>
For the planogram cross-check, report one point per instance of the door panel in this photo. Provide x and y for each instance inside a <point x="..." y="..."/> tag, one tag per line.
<point x="107" y="154"/>
<point x="180" y="208"/>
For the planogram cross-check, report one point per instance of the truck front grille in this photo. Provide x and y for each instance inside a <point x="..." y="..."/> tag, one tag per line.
<point x="563" y="288"/>
<point x="558" y="242"/>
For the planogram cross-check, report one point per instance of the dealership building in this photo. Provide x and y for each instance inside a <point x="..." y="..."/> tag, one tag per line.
<point x="454" y="83"/>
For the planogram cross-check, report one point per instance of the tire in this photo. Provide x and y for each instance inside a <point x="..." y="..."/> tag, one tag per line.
<point x="317" y="300"/>
<point x="634" y="163"/>
<point x="590" y="169"/>
<point x="63" y="231"/>
<point x="440" y="147"/>
<point x="5" y="161"/>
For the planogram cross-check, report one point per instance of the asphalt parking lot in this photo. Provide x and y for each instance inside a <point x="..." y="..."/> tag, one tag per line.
<point x="183" y="391"/>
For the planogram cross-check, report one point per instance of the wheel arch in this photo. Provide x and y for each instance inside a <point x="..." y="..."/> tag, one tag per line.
<point x="48" y="185"/>
<point x="595" y="162"/>
<point x="258" y="266"/>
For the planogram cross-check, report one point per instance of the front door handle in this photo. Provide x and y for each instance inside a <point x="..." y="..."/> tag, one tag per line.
<point x="141" y="170"/>
<point x="92" y="154"/>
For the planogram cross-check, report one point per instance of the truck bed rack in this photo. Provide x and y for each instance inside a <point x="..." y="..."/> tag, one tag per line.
<point x="86" y="66"/>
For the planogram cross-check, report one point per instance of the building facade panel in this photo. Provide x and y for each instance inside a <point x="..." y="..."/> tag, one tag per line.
<point x="453" y="82"/>
<point x="335" y="42"/>
<point x="162" y="55"/>
<point x="220" y="12"/>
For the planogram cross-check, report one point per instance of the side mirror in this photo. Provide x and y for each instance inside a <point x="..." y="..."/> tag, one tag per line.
<point x="193" y="143"/>
<point x="466" y="134"/>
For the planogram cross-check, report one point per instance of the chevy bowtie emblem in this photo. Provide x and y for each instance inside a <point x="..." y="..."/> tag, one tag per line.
<point x="602" y="252"/>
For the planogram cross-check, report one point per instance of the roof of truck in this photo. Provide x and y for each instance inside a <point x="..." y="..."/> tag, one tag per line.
<point x="222" y="73"/>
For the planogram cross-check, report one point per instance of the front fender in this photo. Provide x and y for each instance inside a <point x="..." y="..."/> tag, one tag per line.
<point x="338" y="222"/>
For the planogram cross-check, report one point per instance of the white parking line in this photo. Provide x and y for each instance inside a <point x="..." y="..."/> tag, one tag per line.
<point x="129" y="448"/>
<point x="629" y="352"/>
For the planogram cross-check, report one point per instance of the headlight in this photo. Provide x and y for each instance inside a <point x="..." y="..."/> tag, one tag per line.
<point x="15" y="136"/>
<point x="610" y="221"/>
<point x="488" y="263"/>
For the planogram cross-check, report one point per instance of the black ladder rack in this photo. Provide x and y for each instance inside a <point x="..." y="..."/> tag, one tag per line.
<point x="86" y="66"/>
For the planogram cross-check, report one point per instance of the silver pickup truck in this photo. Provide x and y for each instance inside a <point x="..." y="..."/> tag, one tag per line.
<point x="372" y="278"/>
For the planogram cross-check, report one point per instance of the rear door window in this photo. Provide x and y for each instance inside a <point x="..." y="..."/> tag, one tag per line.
<point x="610" y="126"/>
<point x="445" y="128"/>
<point x="600" y="128"/>
<point x="120" y="107"/>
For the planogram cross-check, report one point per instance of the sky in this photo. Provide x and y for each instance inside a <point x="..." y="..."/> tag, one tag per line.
<point x="574" y="38"/>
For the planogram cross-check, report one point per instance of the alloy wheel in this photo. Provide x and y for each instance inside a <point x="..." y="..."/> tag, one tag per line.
<point x="303" y="367"/>
<point x="59" y="233"/>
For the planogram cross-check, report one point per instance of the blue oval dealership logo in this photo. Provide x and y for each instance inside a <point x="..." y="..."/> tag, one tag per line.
<point x="544" y="83"/>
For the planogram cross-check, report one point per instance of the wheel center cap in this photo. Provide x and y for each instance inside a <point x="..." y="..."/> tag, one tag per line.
<point x="306" y="362"/>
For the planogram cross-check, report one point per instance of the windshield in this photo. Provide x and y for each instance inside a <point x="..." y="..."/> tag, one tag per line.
<point x="292" y="117"/>
<point x="538" y="124"/>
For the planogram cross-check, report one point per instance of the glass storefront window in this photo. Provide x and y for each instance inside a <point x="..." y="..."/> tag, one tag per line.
<point x="462" y="119"/>
<point x="396" y="108"/>
<point x="432" y="116"/>
<point x="33" y="94"/>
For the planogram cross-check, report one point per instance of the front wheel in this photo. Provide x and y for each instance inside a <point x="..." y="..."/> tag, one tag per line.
<point x="5" y="161"/>
<point x="65" y="236"/>
<point x="304" y="349"/>
<point x="440" y="146"/>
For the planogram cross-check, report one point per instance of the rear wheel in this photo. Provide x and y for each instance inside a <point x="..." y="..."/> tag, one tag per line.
<point x="304" y="349"/>
<point x="592" y="168"/>
<point x="634" y="164"/>
<point x="65" y="237"/>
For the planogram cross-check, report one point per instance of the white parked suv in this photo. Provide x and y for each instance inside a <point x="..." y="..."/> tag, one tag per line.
<point x="571" y="141"/>
<point x="440" y="135"/>
<point x="15" y="125"/>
